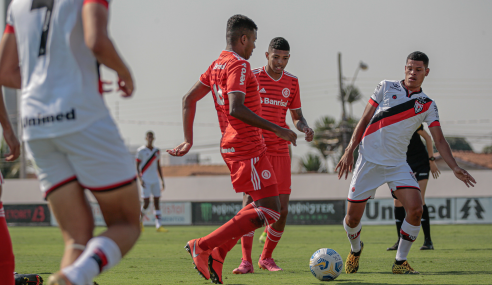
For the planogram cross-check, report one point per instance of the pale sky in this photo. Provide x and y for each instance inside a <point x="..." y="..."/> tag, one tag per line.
<point x="168" y="44"/>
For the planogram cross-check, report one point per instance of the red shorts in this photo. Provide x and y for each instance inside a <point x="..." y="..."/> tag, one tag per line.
<point x="281" y="166"/>
<point x="255" y="174"/>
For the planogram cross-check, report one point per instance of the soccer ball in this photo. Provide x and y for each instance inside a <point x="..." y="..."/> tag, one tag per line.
<point x="326" y="264"/>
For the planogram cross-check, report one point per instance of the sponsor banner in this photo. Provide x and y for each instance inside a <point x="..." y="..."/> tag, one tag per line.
<point x="23" y="215"/>
<point x="474" y="210"/>
<point x="173" y="213"/>
<point x="316" y="212"/>
<point x="300" y="212"/>
<point x="214" y="213"/>
<point x="441" y="211"/>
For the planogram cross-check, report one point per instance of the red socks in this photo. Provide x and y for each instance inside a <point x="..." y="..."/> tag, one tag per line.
<point x="247" y="246"/>
<point x="273" y="237"/>
<point x="7" y="262"/>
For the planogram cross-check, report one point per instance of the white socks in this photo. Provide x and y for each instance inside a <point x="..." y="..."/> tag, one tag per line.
<point x="157" y="218"/>
<point x="408" y="234"/>
<point x="100" y="254"/>
<point x="353" y="235"/>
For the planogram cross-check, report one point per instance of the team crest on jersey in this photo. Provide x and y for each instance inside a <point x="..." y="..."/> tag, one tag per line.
<point x="266" y="174"/>
<point x="286" y="92"/>
<point x="394" y="97"/>
<point x="419" y="105"/>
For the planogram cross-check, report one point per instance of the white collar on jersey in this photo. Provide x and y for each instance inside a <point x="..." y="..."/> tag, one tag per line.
<point x="237" y="55"/>
<point x="264" y="69"/>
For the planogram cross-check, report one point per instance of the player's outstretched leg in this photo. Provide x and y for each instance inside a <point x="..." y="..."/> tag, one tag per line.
<point x="246" y="265"/>
<point x="353" y="234"/>
<point x="120" y="209"/>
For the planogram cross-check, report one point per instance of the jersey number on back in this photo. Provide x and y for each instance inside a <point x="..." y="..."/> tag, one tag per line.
<point x="48" y="4"/>
<point x="218" y="95"/>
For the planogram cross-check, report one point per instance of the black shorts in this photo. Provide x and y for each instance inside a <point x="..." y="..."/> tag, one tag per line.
<point x="421" y="171"/>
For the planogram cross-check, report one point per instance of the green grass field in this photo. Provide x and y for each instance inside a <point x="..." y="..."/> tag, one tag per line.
<point x="463" y="255"/>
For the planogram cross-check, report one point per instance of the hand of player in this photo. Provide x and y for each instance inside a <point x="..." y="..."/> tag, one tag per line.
<point x="434" y="170"/>
<point x="345" y="164"/>
<point x="309" y="134"/>
<point x="287" y="135"/>
<point x="464" y="176"/>
<point x="13" y="143"/>
<point x="180" y="150"/>
<point x="142" y="183"/>
<point x="125" y="84"/>
<point x="163" y="187"/>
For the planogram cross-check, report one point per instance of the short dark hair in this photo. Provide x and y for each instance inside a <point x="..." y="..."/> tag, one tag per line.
<point x="237" y="25"/>
<point x="419" y="56"/>
<point x="149" y="133"/>
<point x="279" y="43"/>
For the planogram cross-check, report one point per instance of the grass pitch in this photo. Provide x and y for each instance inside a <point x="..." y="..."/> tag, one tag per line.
<point x="463" y="255"/>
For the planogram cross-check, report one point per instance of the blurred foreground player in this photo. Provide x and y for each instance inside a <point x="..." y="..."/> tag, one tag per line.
<point x="279" y="91"/>
<point x="421" y="161"/>
<point x="148" y="167"/>
<point x="68" y="129"/>
<point x="393" y="113"/>
<point x="7" y="261"/>
<point x="238" y="104"/>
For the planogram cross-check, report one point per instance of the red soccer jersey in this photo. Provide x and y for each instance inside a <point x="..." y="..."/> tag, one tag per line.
<point x="232" y="73"/>
<point x="276" y="97"/>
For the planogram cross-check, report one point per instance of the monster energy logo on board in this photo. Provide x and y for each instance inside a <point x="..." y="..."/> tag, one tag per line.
<point x="206" y="211"/>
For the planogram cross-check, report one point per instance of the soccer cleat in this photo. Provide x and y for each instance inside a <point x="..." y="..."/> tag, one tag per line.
<point x="161" y="229"/>
<point x="215" y="264"/>
<point x="263" y="237"/>
<point x="244" y="268"/>
<point x="268" y="264"/>
<point x="58" y="278"/>
<point x="394" y="247"/>
<point x="352" y="262"/>
<point x="427" y="245"/>
<point x="403" y="268"/>
<point x="200" y="258"/>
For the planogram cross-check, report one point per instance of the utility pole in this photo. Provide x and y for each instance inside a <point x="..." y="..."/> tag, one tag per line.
<point x="344" y="131"/>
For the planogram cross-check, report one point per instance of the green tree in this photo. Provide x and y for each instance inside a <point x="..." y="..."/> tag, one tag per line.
<point x="312" y="163"/>
<point x="459" y="143"/>
<point x="352" y="95"/>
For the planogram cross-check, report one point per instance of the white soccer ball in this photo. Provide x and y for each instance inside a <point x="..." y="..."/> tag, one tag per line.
<point x="326" y="264"/>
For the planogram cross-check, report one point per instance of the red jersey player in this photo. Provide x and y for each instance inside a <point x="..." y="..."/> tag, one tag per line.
<point x="51" y="50"/>
<point x="279" y="91"/>
<point x="237" y="101"/>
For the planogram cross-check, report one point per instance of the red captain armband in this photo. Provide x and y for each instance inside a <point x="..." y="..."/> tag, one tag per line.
<point x="372" y="102"/>
<point x="9" y="29"/>
<point x="435" y="124"/>
<point x="102" y="2"/>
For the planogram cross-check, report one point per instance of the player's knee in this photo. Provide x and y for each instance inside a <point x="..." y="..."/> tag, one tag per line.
<point x="415" y="212"/>
<point x="284" y="211"/>
<point x="352" y="221"/>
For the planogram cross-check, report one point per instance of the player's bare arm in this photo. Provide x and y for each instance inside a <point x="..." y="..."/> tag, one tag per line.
<point x="445" y="152"/>
<point x="196" y="93"/>
<point x="430" y="150"/>
<point x="95" y="21"/>
<point x="160" y="174"/>
<point x="8" y="132"/>
<point x="346" y="163"/>
<point x="9" y="62"/>
<point x="243" y="113"/>
<point x="139" y="174"/>
<point x="301" y="124"/>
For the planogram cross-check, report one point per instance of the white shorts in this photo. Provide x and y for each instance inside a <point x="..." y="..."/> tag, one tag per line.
<point x="151" y="188"/>
<point x="96" y="157"/>
<point x="369" y="176"/>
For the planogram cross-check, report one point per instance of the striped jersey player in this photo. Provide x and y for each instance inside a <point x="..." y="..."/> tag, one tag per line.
<point x="393" y="113"/>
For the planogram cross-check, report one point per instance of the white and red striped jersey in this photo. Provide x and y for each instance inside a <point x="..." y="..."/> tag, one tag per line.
<point x="398" y="114"/>
<point x="148" y="163"/>
<point x="60" y="75"/>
